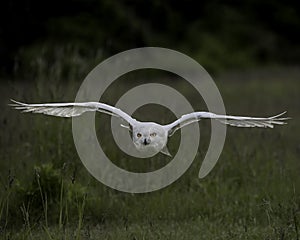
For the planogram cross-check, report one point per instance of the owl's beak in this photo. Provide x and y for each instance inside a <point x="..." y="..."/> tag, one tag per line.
<point x="146" y="141"/>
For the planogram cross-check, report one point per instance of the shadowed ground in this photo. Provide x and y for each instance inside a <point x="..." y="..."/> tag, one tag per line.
<point x="252" y="193"/>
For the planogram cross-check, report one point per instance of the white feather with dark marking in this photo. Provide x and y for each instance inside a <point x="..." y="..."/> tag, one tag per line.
<point x="146" y="135"/>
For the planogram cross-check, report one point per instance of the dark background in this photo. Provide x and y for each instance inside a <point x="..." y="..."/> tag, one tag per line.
<point x="221" y="35"/>
<point x="252" y="51"/>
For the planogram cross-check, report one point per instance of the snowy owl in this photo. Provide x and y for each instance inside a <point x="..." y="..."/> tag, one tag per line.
<point x="147" y="135"/>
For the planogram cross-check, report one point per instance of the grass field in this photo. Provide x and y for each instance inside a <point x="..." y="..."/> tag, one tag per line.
<point x="252" y="193"/>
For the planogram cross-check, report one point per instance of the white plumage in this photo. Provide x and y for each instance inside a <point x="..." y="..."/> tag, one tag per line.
<point x="147" y="135"/>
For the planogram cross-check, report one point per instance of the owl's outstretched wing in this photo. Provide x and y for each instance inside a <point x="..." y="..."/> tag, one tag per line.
<point x="235" y="121"/>
<point x="72" y="109"/>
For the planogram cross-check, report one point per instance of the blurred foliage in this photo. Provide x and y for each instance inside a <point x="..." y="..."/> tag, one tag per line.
<point x="219" y="34"/>
<point x="44" y="187"/>
<point x="253" y="193"/>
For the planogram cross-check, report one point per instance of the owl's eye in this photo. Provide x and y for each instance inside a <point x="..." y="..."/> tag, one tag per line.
<point x="139" y="135"/>
<point x="153" y="134"/>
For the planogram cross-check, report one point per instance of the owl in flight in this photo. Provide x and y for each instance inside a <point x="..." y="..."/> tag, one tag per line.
<point x="147" y="135"/>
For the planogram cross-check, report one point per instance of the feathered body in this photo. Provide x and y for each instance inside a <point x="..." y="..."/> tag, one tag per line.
<point x="147" y="136"/>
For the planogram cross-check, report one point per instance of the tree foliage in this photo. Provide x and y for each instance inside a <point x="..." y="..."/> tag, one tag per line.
<point x="219" y="34"/>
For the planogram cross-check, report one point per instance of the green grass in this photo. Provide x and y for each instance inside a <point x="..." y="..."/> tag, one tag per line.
<point x="252" y="193"/>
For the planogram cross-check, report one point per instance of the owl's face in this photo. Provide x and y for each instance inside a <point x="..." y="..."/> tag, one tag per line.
<point x="149" y="136"/>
